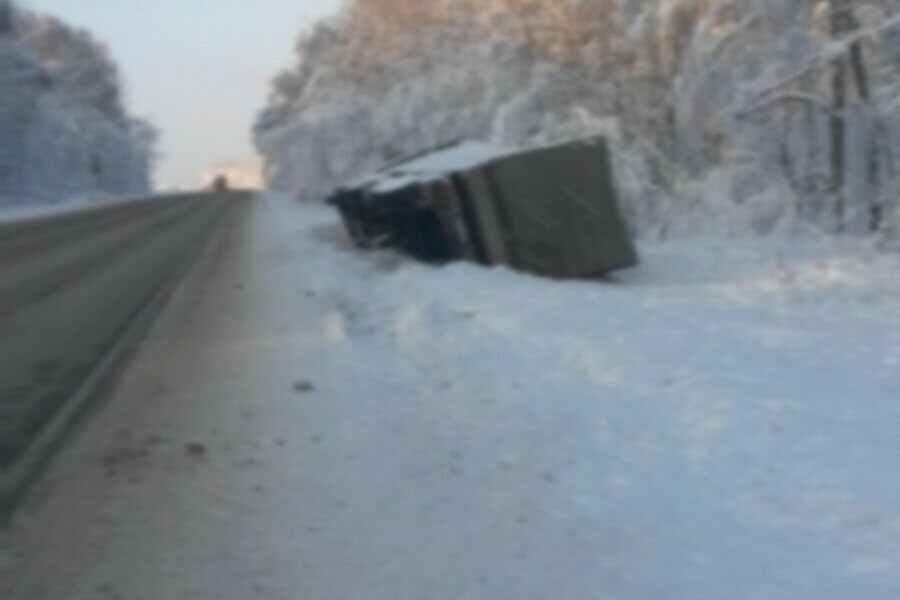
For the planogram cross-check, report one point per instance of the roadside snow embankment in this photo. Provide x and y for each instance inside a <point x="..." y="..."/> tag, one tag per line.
<point x="719" y="423"/>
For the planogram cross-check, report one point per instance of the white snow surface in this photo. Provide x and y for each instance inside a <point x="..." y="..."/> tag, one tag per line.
<point x="719" y="423"/>
<point x="432" y="166"/>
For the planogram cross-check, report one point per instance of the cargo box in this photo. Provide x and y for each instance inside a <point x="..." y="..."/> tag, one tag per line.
<point x="551" y="211"/>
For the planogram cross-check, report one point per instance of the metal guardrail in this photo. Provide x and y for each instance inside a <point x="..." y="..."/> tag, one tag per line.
<point x="72" y="287"/>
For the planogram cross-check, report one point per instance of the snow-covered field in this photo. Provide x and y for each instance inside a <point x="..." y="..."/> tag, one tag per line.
<point x="720" y="423"/>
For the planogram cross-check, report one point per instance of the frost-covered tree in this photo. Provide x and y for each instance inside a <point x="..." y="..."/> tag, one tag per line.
<point x="750" y="114"/>
<point x="390" y="78"/>
<point x="65" y="131"/>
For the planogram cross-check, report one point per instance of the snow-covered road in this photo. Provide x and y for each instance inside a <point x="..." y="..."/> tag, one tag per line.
<point x="308" y="423"/>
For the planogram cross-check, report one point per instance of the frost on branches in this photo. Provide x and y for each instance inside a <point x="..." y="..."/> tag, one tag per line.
<point x="728" y="116"/>
<point x="65" y="133"/>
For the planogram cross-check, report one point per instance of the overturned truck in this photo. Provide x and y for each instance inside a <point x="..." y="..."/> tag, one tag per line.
<point x="551" y="211"/>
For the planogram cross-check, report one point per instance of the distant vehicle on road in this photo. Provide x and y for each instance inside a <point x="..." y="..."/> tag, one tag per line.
<point x="220" y="184"/>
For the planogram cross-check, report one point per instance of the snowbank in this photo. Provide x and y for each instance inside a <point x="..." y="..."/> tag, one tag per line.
<point x="725" y="414"/>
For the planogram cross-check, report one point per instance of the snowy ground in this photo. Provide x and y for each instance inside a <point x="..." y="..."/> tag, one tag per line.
<point x="309" y="423"/>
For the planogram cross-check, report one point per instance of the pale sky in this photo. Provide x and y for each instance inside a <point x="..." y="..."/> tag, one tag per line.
<point x="198" y="69"/>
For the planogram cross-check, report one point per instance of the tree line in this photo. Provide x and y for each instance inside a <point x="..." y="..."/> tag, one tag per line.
<point x="734" y="115"/>
<point x="65" y="130"/>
